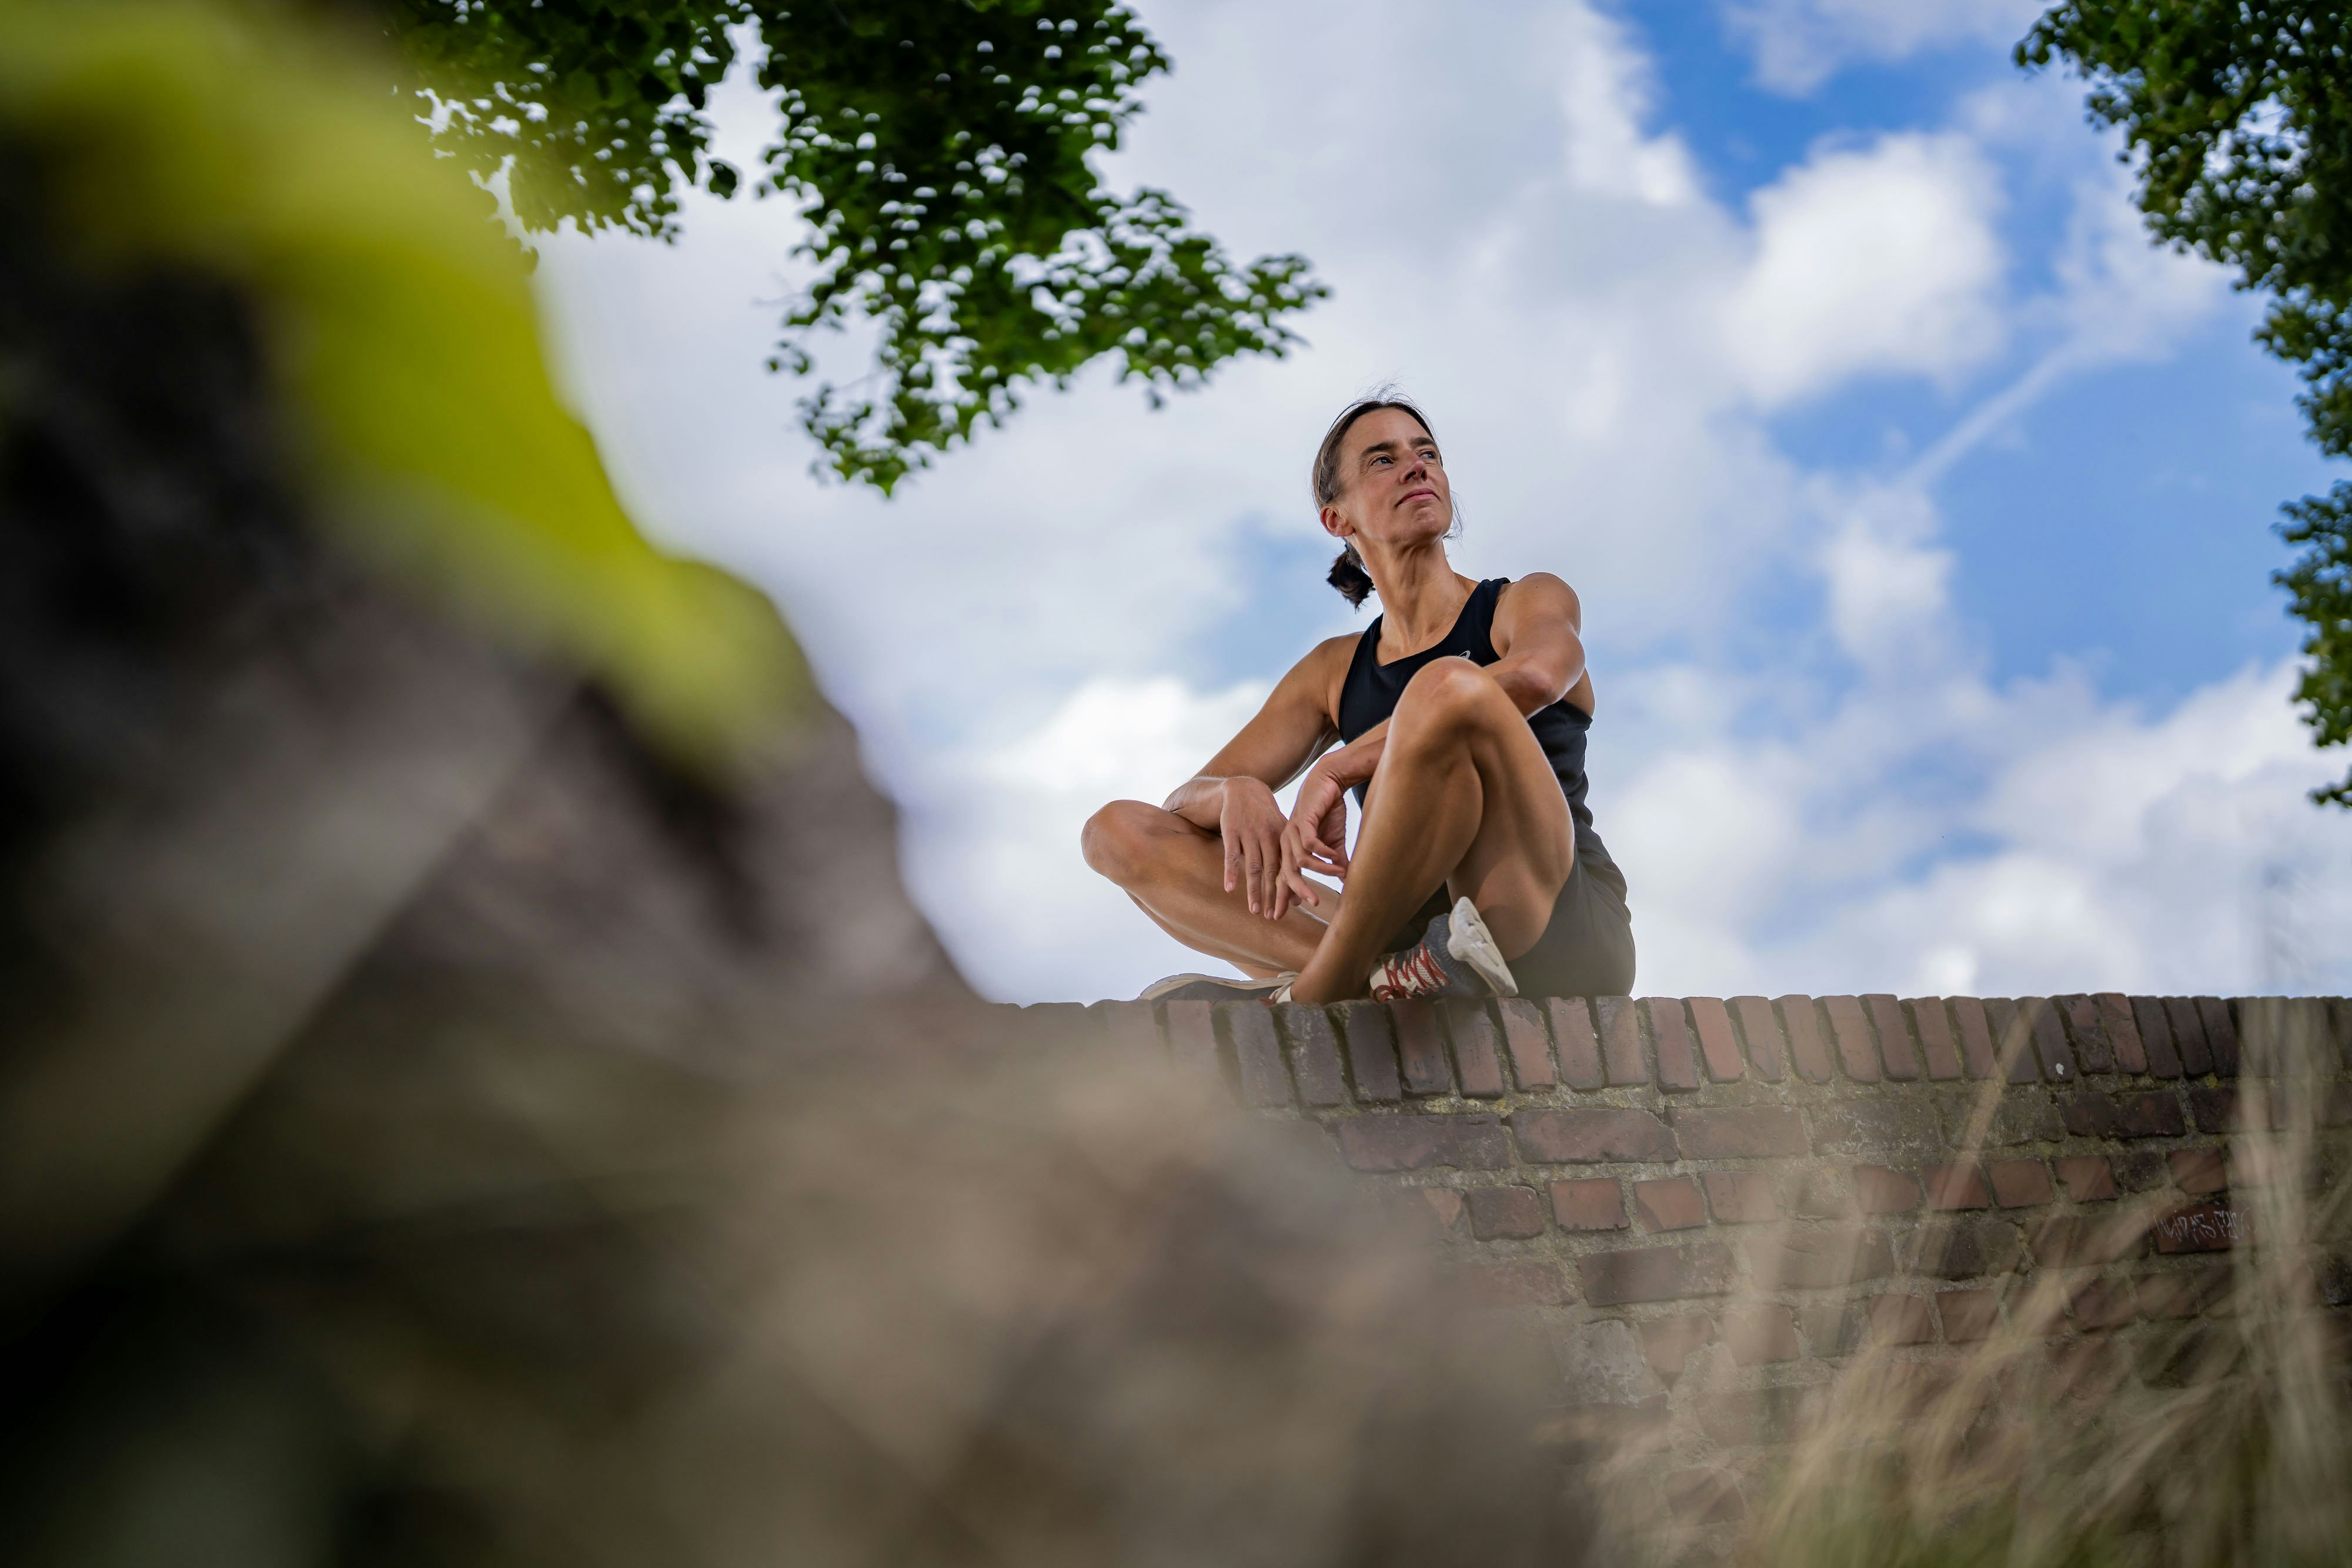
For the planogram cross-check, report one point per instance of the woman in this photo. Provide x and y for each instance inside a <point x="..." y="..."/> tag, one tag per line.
<point x="1462" y="713"/>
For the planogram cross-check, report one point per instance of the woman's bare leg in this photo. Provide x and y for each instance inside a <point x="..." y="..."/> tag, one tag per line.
<point x="1175" y="872"/>
<point x="1463" y="798"/>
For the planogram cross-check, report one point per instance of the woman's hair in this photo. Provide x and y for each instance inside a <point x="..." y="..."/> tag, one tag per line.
<point x="1348" y="574"/>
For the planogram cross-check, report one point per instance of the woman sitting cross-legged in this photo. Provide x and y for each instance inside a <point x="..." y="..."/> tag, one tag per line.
<point x="1461" y="712"/>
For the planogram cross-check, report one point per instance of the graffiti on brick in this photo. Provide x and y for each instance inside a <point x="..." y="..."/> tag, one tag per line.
<point x="2207" y="1227"/>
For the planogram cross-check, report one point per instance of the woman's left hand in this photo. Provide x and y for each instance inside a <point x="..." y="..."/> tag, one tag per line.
<point x="1314" y="839"/>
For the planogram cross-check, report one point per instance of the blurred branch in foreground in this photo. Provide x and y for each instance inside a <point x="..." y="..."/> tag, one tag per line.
<point x="472" y="1086"/>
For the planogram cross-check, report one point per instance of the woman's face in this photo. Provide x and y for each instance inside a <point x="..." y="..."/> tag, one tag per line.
<point x="1393" y="481"/>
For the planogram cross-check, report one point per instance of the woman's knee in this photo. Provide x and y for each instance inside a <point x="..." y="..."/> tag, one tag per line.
<point x="1117" y="841"/>
<point x="1449" y="694"/>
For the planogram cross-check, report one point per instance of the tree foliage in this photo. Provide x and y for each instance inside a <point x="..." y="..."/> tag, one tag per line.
<point x="2238" y="115"/>
<point x="940" y="148"/>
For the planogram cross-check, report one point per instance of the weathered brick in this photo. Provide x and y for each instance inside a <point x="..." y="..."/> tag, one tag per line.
<point x="2018" y="1116"/>
<point x="2199" y="1173"/>
<point x="1969" y="1315"/>
<point x="1819" y="1259"/>
<point x="1976" y="1037"/>
<point x="1520" y="1283"/>
<point x="2012" y="1040"/>
<point x="1759" y="1334"/>
<point x="1747" y="1132"/>
<point x="1758" y="1415"/>
<point x="1670" y="1203"/>
<point x="1579" y="1047"/>
<point x="1314" y="1053"/>
<point x="2020" y="1183"/>
<point x="1257" y="1054"/>
<point x="1443" y="1204"/>
<point x="2156" y="1035"/>
<point x="2104" y="1304"/>
<point x="1896" y="1319"/>
<point x="1591" y="1135"/>
<point x="2116" y="1022"/>
<point x="1417" y="1143"/>
<point x="1741" y="1197"/>
<point x="1192" y="1036"/>
<point x="2081" y="1016"/>
<point x="1529" y="1043"/>
<point x="2154" y="1114"/>
<point x="1955" y="1186"/>
<point x="1887" y="1130"/>
<point x="2074" y="1241"/>
<point x="1882" y="1190"/>
<point x="2262" y="1026"/>
<point x="1512" y="1213"/>
<point x="1591" y="1204"/>
<point x="1760" y="1028"/>
<point x="1704" y="1496"/>
<point x="2188" y="1036"/>
<point x="1800" y="1025"/>
<point x="1370" y="1036"/>
<point x="2040" y="1015"/>
<point x="1821" y="1194"/>
<point x="1475" y="1058"/>
<point x="1130" y="1029"/>
<point x="1421" y="1051"/>
<point x="1718" y="1047"/>
<point x="2139" y="1170"/>
<point x="1670" y="1032"/>
<point x="1667" y="1342"/>
<point x="1656" y="1274"/>
<point x="2189" y="1355"/>
<point x="1964" y="1250"/>
<point x="1933" y="1024"/>
<point x="2086" y="1178"/>
<point x="1895" y="1054"/>
<point x="1620" y="1041"/>
<point x="1601" y="1364"/>
<point x="2183" y="1293"/>
<point x="2220" y="1034"/>
<point x="2088" y="1113"/>
<point x="1857" y="1053"/>
<point x="2216" y="1109"/>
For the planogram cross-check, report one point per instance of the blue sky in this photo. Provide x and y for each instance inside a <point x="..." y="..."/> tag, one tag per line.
<point x="1920" y="508"/>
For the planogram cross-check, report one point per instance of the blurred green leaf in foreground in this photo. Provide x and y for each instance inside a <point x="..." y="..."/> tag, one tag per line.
<point x="2237" y="116"/>
<point x="940" y="152"/>
<point x="401" y="328"/>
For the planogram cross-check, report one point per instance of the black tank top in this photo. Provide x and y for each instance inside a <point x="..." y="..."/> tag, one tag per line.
<point x="1372" y="689"/>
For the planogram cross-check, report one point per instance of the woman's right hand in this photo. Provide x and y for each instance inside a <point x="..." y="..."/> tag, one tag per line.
<point x="1251" y="825"/>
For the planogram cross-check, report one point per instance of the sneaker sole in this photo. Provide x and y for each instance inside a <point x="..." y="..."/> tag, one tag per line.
<point x="1212" y="988"/>
<point x="1468" y="938"/>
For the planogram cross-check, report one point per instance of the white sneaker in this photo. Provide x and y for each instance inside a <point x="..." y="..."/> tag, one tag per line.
<point x="1215" y="989"/>
<point x="1456" y="958"/>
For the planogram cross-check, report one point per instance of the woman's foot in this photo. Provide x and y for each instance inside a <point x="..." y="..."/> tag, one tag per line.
<point x="1455" y="957"/>
<point x="1216" y="988"/>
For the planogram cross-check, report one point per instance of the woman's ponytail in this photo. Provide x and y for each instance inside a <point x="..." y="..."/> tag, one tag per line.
<point x="1348" y="576"/>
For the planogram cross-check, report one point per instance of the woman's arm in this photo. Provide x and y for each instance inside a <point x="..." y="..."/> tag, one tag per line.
<point x="1539" y="642"/>
<point x="1233" y="795"/>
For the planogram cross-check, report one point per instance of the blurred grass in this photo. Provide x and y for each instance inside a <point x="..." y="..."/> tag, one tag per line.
<point x="2213" y="1441"/>
<point x="233" y="141"/>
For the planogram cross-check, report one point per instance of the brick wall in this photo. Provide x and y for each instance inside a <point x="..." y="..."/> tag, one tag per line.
<point x="1769" y="1184"/>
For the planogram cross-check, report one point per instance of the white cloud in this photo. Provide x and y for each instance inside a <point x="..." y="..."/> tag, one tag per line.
<point x="1800" y="44"/>
<point x="1838" y="801"/>
<point x="1873" y="260"/>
